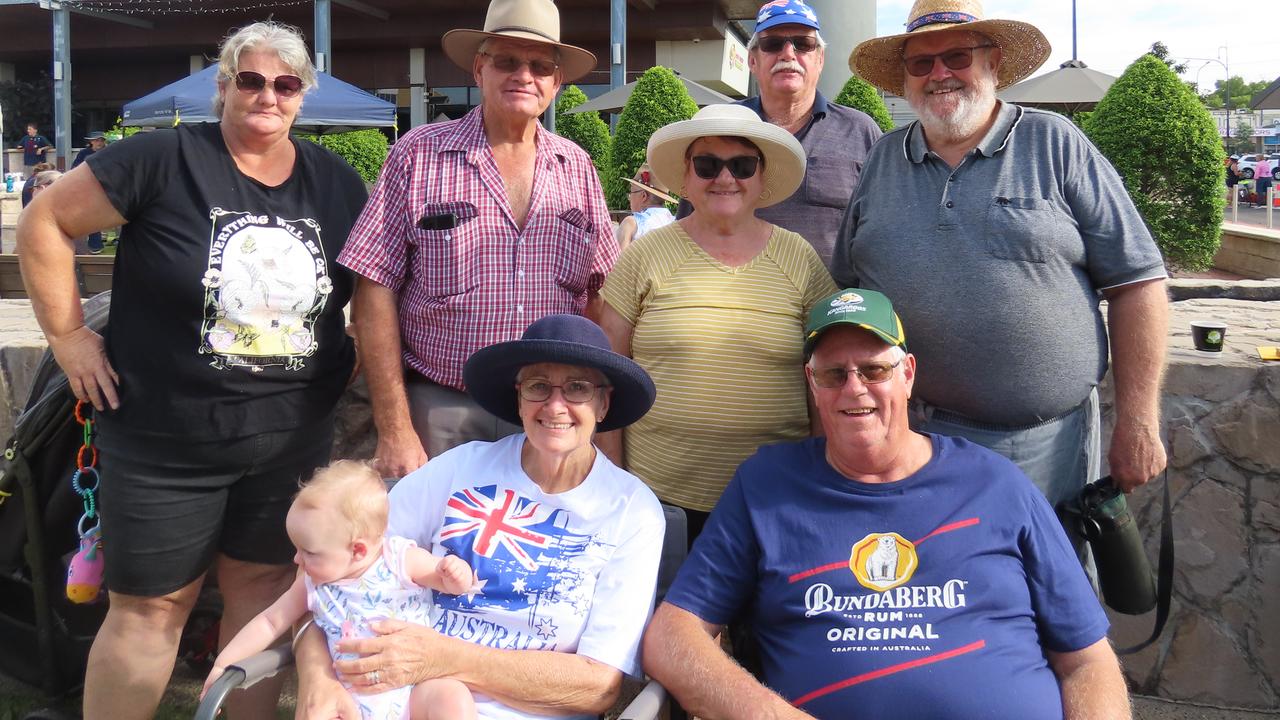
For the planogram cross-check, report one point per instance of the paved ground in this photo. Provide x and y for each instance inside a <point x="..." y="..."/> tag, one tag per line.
<point x="1254" y="216"/>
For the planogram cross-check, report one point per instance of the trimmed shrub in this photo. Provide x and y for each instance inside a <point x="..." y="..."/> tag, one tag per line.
<point x="365" y="150"/>
<point x="860" y="95"/>
<point x="586" y="130"/>
<point x="658" y="99"/>
<point x="1165" y="145"/>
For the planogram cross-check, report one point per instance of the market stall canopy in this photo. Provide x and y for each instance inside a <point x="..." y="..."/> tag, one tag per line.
<point x="1070" y="88"/>
<point x="613" y="100"/>
<point x="331" y="106"/>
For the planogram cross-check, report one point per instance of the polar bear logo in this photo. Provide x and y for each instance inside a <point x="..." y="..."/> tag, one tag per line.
<point x="882" y="566"/>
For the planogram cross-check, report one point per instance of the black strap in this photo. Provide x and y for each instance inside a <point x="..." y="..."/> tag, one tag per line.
<point x="1164" y="576"/>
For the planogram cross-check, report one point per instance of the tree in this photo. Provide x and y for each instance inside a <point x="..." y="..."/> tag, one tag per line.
<point x="26" y="101"/>
<point x="860" y="95"/>
<point x="659" y="98"/>
<point x="586" y="129"/>
<point x="1242" y="141"/>
<point x="1241" y="92"/>
<point x="1165" y="145"/>
<point x="1161" y="52"/>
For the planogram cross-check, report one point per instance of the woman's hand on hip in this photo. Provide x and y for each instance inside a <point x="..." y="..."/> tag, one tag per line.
<point x="82" y="356"/>
<point x="401" y="654"/>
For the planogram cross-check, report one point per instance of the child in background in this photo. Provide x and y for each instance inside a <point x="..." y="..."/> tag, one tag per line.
<point x="351" y="575"/>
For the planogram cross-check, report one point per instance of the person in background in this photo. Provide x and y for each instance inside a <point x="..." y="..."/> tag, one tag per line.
<point x="214" y="391"/>
<point x="29" y="183"/>
<point x="33" y="145"/>
<point x="96" y="141"/>
<point x="1262" y="179"/>
<point x="648" y="200"/>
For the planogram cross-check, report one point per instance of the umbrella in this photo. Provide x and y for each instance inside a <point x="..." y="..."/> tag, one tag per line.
<point x="1070" y="88"/>
<point x="331" y="106"/>
<point x="613" y="100"/>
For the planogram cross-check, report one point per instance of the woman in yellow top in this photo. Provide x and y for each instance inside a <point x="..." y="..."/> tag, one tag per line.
<point x="713" y="307"/>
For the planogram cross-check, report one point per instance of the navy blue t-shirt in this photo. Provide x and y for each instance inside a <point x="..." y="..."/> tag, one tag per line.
<point x="930" y="597"/>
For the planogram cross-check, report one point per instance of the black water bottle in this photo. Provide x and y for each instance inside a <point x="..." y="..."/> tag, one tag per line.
<point x="1123" y="571"/>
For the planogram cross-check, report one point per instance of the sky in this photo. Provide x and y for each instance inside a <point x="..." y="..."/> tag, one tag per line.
<point x="1111" y="34"/>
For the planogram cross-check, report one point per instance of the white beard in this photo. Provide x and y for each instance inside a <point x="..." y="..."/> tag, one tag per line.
<point x="956" y="115"/>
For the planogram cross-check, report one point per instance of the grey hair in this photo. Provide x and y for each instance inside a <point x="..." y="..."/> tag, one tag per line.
<point x="45" y="178"/>
<point x="899" y="354"/>
<point x="483" y="48"/>
<point x="266" y="36"/>
<point x="755" y="40"/>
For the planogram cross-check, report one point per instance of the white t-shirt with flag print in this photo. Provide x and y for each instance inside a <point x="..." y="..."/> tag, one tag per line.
<point x="567" y="572"/>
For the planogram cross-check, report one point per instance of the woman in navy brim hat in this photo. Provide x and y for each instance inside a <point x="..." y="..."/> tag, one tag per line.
<point x="564" y="544"/>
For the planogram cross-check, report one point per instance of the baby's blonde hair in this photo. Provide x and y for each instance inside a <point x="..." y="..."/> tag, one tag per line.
<point x="355" y="490"/>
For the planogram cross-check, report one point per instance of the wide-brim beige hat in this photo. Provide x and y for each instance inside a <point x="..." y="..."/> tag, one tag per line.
<point x="647" y="181"/>
<point x="784" y="158"/>
<point x="530" y="20"/>
<point x="1022" y="46"/>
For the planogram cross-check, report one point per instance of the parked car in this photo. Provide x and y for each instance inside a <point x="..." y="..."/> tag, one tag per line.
<point x="1247" y="163"/>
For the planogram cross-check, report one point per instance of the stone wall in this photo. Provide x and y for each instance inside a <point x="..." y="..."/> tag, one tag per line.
<point x="1222" y="428"/>
<point x="1249" y="251"/>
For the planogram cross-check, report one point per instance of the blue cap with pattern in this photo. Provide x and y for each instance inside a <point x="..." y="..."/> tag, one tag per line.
<point x="786" y="12"/>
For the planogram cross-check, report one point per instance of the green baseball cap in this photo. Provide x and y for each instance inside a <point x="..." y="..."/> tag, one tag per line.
<point x="866" y="309"/>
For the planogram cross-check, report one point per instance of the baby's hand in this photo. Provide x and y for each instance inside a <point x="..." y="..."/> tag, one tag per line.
<point x="214" y="674"/>
<point x="455" y="575"/>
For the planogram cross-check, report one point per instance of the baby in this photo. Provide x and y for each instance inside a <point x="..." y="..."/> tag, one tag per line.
<point x="353" y="574"/>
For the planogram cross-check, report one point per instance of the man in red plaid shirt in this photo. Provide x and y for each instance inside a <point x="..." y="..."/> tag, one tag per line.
<point x="476" y="228"/>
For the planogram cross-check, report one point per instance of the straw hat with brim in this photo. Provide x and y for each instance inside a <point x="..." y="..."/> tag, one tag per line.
<point x="1023" y="48"/>
<point x="653" y="191"/>
<point x="528" y="20"/>
<point x="784" y="158"/>
<point x="490" y="373"/>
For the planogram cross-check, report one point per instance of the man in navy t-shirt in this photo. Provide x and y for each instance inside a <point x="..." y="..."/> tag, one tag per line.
<point x="887" y="573"/>
<point x="33" y="146"/>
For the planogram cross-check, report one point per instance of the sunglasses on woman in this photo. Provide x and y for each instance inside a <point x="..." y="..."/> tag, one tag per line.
<point x="774" y="43"/>
<point x="511" y="63"/>
<point x="286" y="86"/>
<point x="954" y="59"/>
<point x="708" y="167"/>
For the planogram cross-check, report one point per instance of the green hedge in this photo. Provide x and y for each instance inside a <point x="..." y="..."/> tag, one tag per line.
<point x="1165" y="145"/>
<point x="365" y="150"/>
<point x="658" y="99"/>
<point x="586" y="130"/>
<point x="860" y="95"/>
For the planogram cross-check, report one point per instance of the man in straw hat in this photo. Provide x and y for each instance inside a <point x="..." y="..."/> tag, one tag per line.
<point x="648" y="199"/>
<point x="996" y="229"/>
<point x="476" y="228"/>
<point x="882" y="581"/>
<point x="785" y="55"/>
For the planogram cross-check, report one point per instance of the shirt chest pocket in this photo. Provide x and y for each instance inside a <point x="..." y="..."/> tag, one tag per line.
<point x="563" y="241"/>
<point x="828" y="181"/>
<point x="446" y="246"/>
<point x="1025" y="229"/>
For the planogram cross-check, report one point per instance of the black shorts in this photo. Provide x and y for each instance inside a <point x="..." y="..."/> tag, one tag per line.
<point x="169" y="506"/>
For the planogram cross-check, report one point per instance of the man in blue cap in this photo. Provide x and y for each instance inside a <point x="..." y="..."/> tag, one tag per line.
<point x="888" y="573"/>
<point x="785" y="55"/>
<point x="96" y="141"/>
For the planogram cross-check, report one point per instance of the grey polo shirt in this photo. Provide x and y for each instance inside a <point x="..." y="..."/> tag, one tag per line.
<point x="836" y="141"/>
<point x="996" y="266"/>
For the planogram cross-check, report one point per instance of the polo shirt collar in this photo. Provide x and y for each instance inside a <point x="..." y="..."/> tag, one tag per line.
<point x="1007" y="118"/>
<point x="819" y="105"/>
<point x="468" y="137"/>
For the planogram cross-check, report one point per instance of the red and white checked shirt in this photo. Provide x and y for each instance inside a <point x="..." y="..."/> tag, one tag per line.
<point x="483" y="281"/>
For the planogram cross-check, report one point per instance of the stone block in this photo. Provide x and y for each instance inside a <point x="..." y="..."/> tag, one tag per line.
<point x="1247" y="431"/>
<point x="1264" y="630"/>
<point x="1187" y="446"/>
<point x="1190" y="289"/>
<point x="1266" y="523"/>
<point x="1207" y="664"/>
<point x="1127" y="630"/>
<point x="1218" y="384"/>
<point x="1210" y="542"/>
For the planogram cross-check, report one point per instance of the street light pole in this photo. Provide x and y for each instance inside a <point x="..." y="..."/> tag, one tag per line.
<point x="1226" y="85"/>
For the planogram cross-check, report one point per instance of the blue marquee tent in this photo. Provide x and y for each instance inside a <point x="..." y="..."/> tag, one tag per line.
<point x="331" y="106"/>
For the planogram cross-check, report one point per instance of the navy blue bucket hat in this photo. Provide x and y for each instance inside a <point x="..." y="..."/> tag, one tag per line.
<point x="490" y="372"/>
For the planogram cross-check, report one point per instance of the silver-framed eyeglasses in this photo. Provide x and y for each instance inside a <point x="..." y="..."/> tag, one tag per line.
<point x="573" y="391"/>
<point x="870" y="374"/>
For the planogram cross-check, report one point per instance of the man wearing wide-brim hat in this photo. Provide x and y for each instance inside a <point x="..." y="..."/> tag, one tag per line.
<point x="996" y="229"/>
<point x="476" y="228"/>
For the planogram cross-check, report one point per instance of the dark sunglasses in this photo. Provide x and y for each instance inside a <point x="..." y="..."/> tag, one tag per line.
<point x="286" y="86"/>
<point x="708" y="167"/>
<point x="774" y="43"/>
<point x="954" y="59"/>
<point x="511" y="63"/>
<point x="869" y="374"/>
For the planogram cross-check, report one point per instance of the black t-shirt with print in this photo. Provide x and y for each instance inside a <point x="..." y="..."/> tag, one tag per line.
<point x="227" y="299"/>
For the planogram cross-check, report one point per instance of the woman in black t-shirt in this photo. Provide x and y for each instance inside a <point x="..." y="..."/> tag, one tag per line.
<point x="225" y="353"/>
